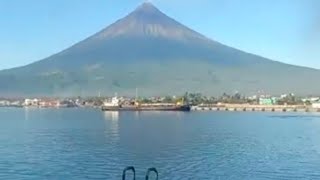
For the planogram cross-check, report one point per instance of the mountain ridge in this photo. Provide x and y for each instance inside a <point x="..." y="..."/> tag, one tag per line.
<point x="146" y="49"/>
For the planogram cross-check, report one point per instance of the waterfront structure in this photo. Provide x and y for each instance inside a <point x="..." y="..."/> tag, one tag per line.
<point x="267" y="101"/>
<point x="117" y="104"/>
<point x="31" y="102"/>
<point x="311" y="99"/>
<point x="114" y="102"/>
<point x="262" y="108"/>
<point x="4" y="103"/>
<point x="49" y="103"/>
<point x="316" y="105"/>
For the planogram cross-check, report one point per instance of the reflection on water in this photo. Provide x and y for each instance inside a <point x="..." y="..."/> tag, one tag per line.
<point x="175" y="114"/>
<point x="111" y="115"/>
<point x="26" y="114"/>
<point x="112" y="123"/>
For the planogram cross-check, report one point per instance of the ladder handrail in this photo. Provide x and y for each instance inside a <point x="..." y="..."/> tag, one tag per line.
<point x="129" y="168"/>
<point x="152" y="170"/>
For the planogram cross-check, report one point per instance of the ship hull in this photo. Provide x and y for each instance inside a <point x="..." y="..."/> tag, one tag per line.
<point x="151" y="108"/>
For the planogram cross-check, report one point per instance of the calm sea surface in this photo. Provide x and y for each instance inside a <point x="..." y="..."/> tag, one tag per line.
<point x="90" y="144"/>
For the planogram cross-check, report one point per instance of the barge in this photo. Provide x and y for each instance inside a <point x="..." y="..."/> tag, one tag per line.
<point x="115" y="105"/>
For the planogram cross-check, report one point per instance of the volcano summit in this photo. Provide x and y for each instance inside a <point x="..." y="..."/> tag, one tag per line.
<point x="151" y="51"/>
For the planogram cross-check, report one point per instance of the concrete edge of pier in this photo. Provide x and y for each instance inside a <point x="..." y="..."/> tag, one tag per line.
<point x="258" y="108"/>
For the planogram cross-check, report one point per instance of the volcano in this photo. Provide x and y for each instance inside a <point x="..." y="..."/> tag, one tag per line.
<point x="160" y="56"/>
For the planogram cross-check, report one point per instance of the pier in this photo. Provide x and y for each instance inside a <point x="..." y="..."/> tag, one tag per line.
<point x="253" y="108"/>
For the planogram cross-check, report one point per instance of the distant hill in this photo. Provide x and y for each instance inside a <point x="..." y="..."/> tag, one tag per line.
<point x="160" y="56"/>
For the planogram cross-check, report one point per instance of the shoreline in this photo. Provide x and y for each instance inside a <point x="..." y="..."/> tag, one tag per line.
<point x="256" y="108"/>
<point x="225" y="108"/>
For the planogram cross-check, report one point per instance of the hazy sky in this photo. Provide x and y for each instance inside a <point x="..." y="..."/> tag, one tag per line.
<point x="283" y="30"/>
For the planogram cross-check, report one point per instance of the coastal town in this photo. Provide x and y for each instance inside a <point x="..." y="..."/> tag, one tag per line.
<point x="234" y="102"/>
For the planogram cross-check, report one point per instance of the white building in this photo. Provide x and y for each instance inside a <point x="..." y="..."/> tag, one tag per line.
<point x="4" y="103"/>
<point x="31" y="102"/>
<point x="311" y="99"/>
<point x="316" y="105"/>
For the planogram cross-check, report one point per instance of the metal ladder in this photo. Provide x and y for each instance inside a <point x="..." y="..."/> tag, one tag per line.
<point x="132" y="169"/>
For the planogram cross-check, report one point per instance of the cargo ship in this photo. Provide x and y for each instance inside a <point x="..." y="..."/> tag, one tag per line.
<point x="115" y="105"/>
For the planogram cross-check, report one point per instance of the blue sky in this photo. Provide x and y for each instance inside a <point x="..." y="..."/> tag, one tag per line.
<point x="283" y="30"/>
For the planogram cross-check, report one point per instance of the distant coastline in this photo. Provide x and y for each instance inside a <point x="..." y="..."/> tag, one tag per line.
<point x="199" y="108"/>
<point x="197" y="102"/>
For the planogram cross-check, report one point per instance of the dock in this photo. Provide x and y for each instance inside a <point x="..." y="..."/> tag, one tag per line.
<point x="253" y="108"/>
